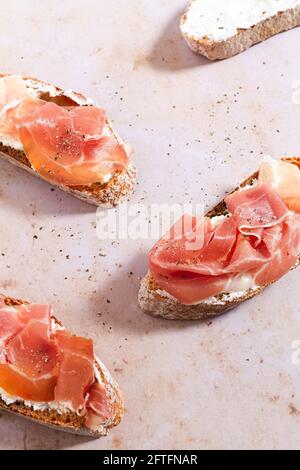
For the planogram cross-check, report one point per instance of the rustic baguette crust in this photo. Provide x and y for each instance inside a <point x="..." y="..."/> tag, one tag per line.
<point x="71" y="422"/>
<point x="245" y="38"/>
<point x="159" y="303"/>
<point x="109" y="194"/>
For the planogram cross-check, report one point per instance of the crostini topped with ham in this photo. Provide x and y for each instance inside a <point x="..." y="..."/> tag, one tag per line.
<point x="252" y="244"/>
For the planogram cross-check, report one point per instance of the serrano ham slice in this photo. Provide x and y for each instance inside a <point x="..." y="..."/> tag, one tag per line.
<point x="97" y="404"/>
<point x="32" y="351"/>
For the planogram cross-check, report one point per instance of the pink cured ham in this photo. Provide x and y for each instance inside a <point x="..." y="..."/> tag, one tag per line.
<point x="38" y="312"/>
<point x="69" y="146"/>
<point x="10" y="324"/>
<point x="256" y="208"/>
<point x="76" y="373"/>
<point x="41" y="362"/>
<point x="12" y="92"/>
<point x="32" y="352"/>
<point x="260" y="238"/>
<point x="15" y="102"/>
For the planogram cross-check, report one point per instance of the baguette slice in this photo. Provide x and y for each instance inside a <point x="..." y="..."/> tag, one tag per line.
<point x="109" y="194"/>
<point x="69" y="421"/>
<point x="159" y="303"/>
<point x="228" y="34"/>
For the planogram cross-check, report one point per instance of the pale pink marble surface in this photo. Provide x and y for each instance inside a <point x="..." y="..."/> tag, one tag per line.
<point x="230" y="384"/>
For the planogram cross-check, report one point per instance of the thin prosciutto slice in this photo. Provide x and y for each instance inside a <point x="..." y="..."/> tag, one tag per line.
<point x="10" y="324"/>
<point x="97" y="406"/>
<point x="260" y="238"/>
<point x="191" y="288"/>
<point x="19" y="385"/>
<point x="172" y="253"/>
<point x="32" y="351"/>
<point x="17" y="347"/>
<point x="256" y="208"/>
<point x="15" y="102"/>
<point x="76" y="372"/>
<point x="38" y="312"/>
<point x="12" y="92"/>
<point x="71" y="146"/>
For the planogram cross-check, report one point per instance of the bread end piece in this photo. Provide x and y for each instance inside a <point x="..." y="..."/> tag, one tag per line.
<point x="71" y="422"/>
<point x="245" y="38"/>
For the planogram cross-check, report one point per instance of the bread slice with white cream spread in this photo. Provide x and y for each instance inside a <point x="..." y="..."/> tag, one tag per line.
<point x="219" y="29"/>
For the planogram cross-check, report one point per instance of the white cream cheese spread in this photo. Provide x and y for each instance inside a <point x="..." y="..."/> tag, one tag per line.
<point x="59" y="407"/>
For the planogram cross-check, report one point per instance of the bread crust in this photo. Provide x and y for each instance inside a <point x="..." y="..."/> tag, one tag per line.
<point x="109" y="194"/>
<point x="70" y="421"/>
<point x="158" y="303"/>
<point x="245" y="38"/>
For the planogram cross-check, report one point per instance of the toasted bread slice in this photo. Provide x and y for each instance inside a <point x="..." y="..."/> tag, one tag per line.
<point x="108" y="194"/>
<point x="159" y="303"/>
<point x="70" y="421"/>
<point x="235" y="26"/>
